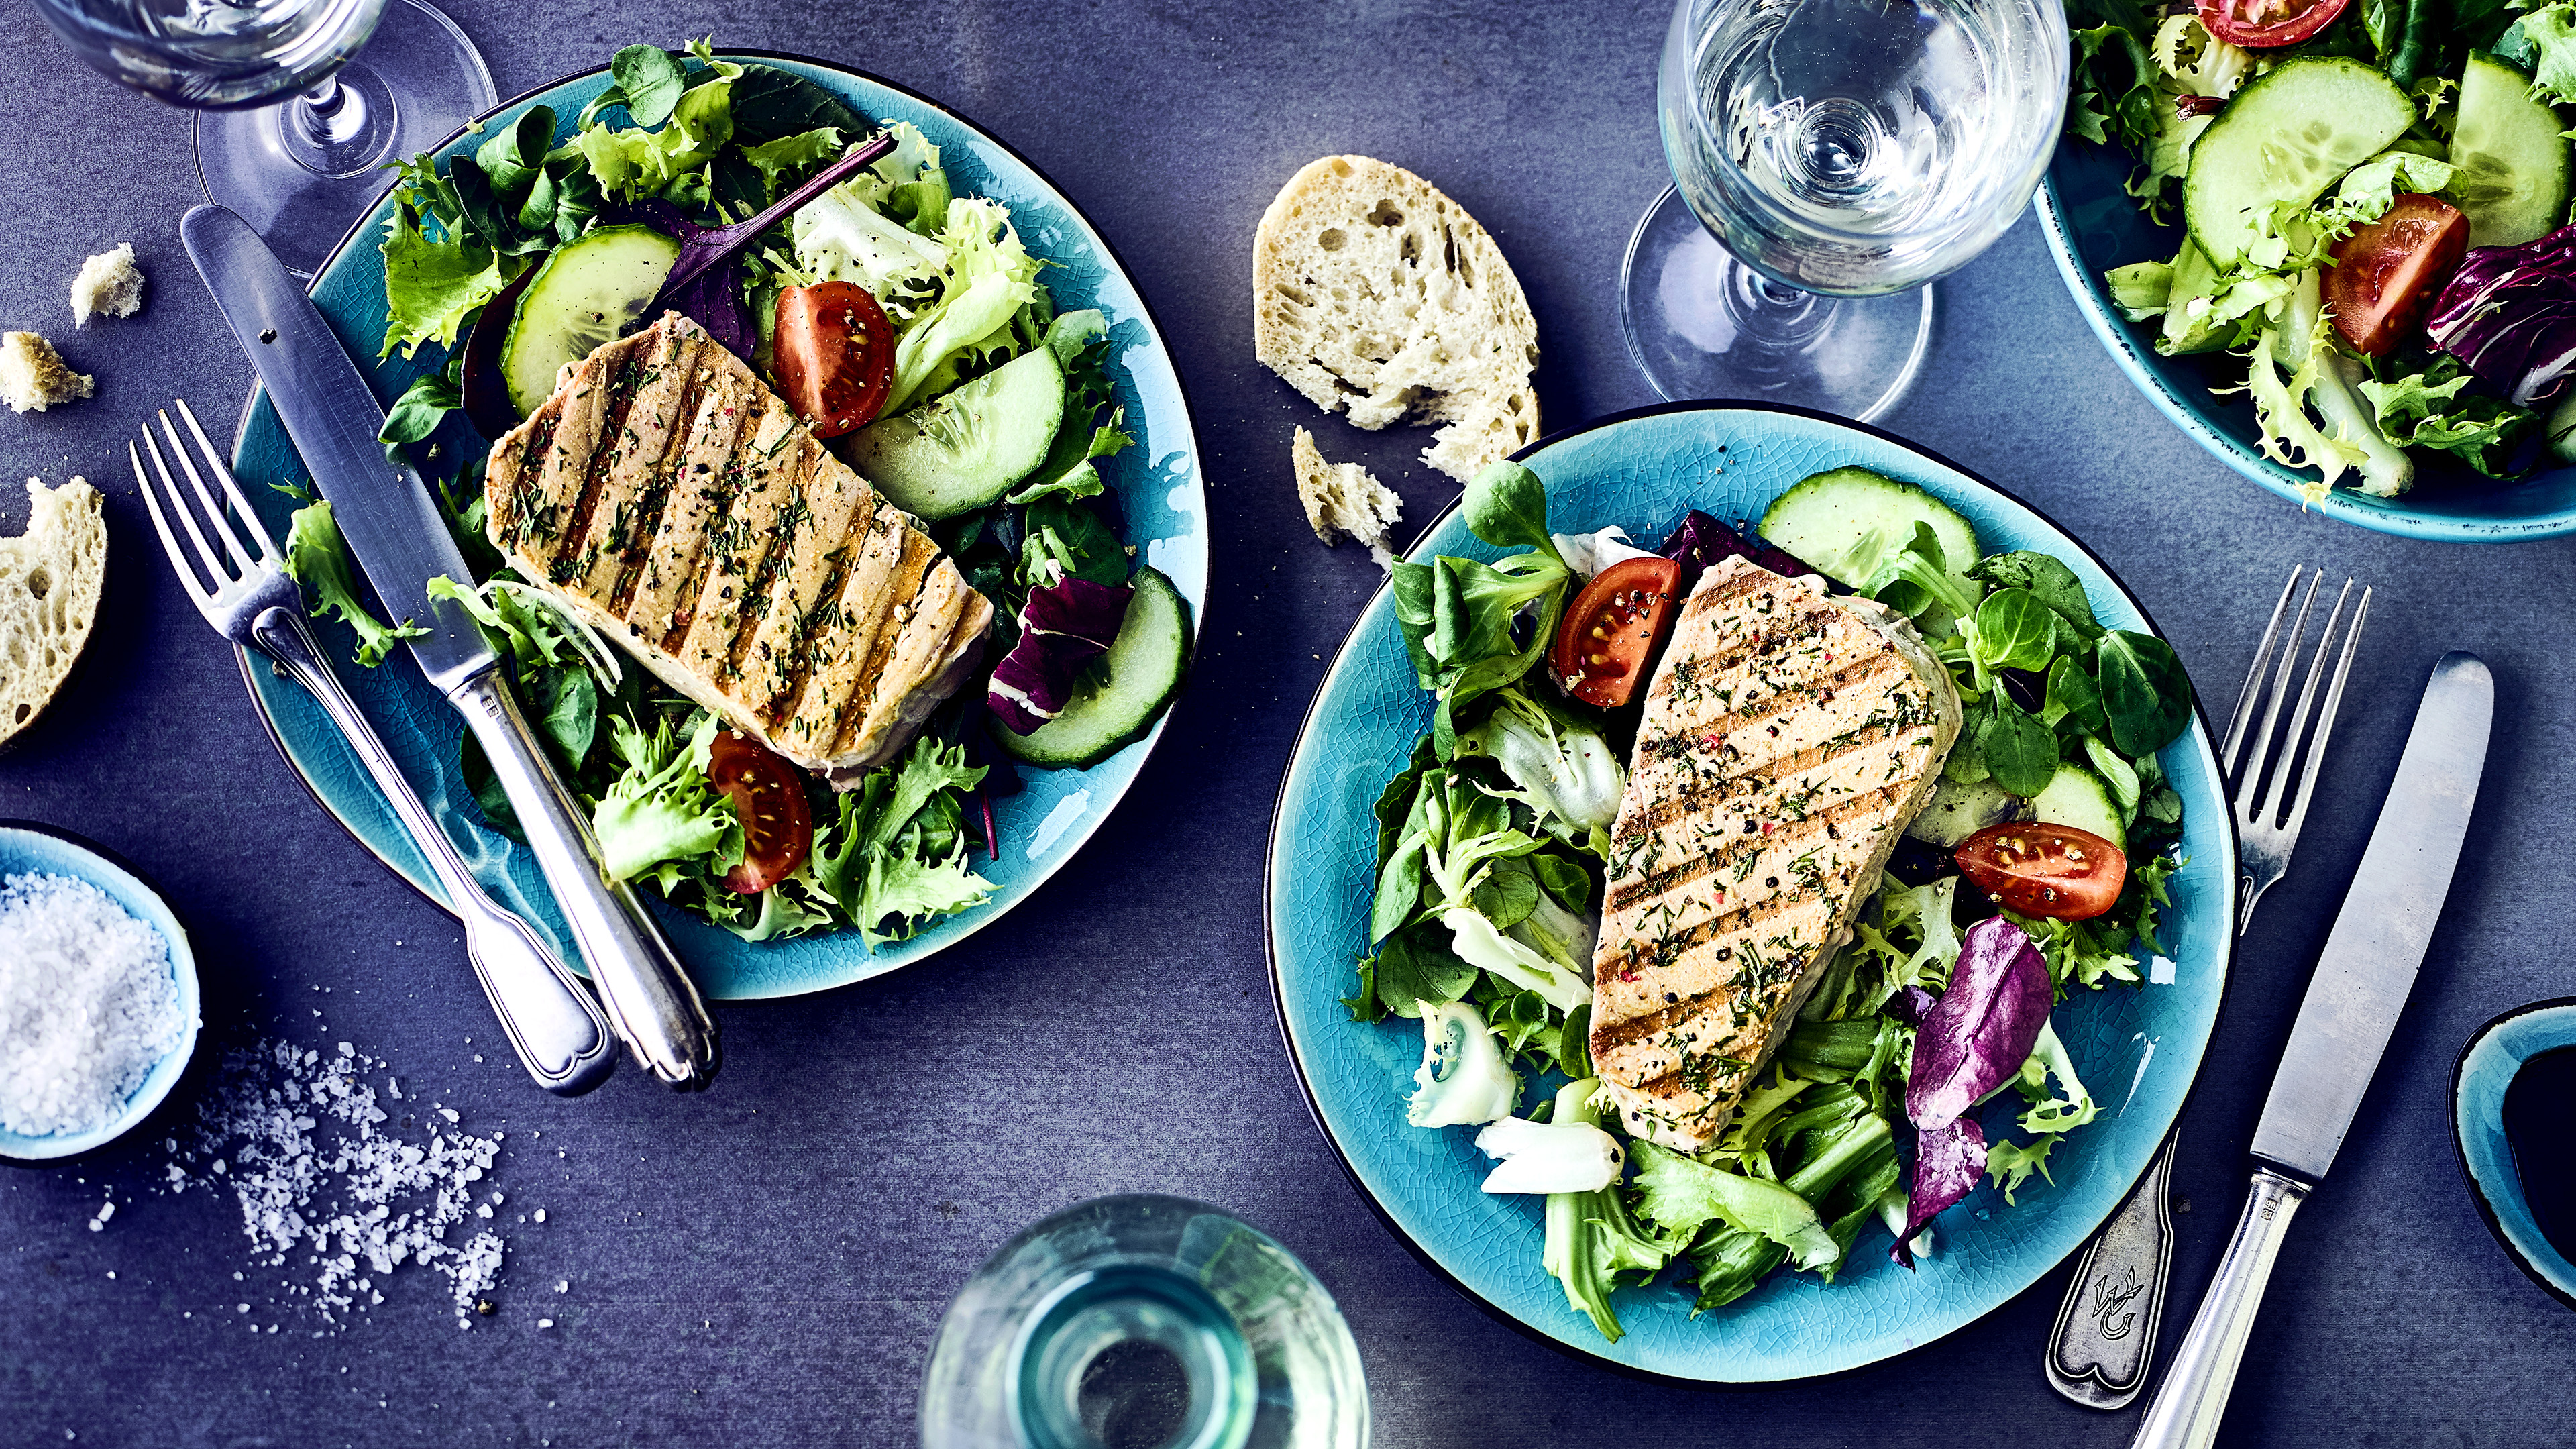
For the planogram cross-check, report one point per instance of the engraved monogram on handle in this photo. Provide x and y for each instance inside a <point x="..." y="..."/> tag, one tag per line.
<point x="2105" y="1338"/>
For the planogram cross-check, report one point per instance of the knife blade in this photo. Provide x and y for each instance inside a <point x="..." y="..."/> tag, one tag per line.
<point x="2360" y="985"/>
<point x="394" y="530"/>
<point x="381" y="505"/>
<point x="2380" y="937"/>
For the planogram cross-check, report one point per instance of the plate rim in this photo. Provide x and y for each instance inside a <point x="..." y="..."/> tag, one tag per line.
<point x="148" y="1098"/>
<point x="2460" y="1144"/>
<point x="244" y="657"/>
<point x="1585" y="1352"/>
<point x="2263" y="473"/>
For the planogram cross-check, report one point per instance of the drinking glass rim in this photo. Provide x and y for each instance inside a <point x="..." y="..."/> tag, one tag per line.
<point x="95" y="24"/>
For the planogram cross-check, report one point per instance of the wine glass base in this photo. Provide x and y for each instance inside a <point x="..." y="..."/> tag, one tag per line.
<point x="1703" y="325"/>
<point x="302" y="180"/>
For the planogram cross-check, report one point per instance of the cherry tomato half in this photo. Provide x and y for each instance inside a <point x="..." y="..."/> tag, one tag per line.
<point x="2387" y="274"/>
<point x="835" y="355"/>
<point x="1610" y="633"/>
<point x="2044" y="870"/>
<point x="2260" y="24"/>
<point x="777" y="822"/>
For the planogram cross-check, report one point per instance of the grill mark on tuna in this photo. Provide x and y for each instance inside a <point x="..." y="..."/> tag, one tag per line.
<point x="1807" y="628"/>
<point x="795" y="514"/>
<point x="911" y="571"/>
<point x="1699" y="798"/>
<point x="654" y="503"/>
<point x="1795" y="832"/>
<point x="623" y="377"/>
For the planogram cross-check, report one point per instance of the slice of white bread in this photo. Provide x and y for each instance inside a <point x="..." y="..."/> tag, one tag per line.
<point x="1374" y="293"/>
<point x="50" y="578"/>
<point x="1345" y="499"/>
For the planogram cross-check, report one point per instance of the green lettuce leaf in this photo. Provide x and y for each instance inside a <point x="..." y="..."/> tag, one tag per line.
<point x="318" y="559"/>
<point x="661" y="810"/>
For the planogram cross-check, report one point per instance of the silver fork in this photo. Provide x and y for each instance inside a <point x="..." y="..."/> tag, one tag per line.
<point x="559" y="1032"/>
<point x="2105" y="1339"/>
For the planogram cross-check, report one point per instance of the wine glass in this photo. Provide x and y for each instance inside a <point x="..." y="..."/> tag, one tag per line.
<point x="1143" y="1322"/>
<point x="1830" y="158"/>
<point x="294" y="126"/>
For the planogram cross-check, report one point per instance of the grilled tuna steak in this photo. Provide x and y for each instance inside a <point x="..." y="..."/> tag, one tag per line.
<point x="1788" y="738"/>
<point x="668" y="497"/>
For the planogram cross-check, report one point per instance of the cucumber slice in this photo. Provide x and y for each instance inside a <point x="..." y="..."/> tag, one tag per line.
<point x="2287" y="136"/>
<point x="2077" y="797"/>
<point x="1832" y="522"/>
<point x="966" y="448"/>
<point x="2512" y="157"/>
<point x="1145" y="665"/>
<point x="591" y="292"/>
<point x="1959" y="810"/>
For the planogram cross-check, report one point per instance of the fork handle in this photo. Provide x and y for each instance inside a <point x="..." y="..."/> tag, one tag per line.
<point x="2191" y="1402"/>
<point x="651" y="1001"/>
<point x="557" y="1030"/>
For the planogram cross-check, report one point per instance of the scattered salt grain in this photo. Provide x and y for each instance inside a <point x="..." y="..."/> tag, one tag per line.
<point x="88" y="1005"/>
<point x="545" y="1323"/>
<point x="563" y="1285"/>
<point x="539" y="1215"/>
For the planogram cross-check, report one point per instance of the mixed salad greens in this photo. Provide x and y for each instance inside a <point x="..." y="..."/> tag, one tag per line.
<point x="903" y="320"/>
<point x="2374" y="201"/>
<point x="1495" y="840"/>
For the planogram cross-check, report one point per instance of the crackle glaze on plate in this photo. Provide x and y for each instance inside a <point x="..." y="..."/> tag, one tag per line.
<point x="2092" y="225"/>
<point x="2486" y="1068"/>
<point x="1158" y="490"/>
<point x="2138" y="1050"/>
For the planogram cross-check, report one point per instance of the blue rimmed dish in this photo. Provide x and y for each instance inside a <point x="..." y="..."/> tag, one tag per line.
<point x="2093" y="224"/>
<point x="30" y="848"/>
<point x="1159" y="494"/>
<point x="2487" y="1066"/>
<point x="2139" y="1049"/>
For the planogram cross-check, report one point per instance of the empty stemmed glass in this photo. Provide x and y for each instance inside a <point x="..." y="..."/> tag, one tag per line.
<point x="295" y="125"/>
<point x="1830" y="158"/>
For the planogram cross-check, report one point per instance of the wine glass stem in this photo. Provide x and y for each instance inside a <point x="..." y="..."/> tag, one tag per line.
<point x="342" y="126"/>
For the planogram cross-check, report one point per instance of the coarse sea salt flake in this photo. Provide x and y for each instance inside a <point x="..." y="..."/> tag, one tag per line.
<point x="88" y="1005"/>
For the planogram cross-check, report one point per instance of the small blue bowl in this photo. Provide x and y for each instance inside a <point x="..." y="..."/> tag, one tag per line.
<point x="2092" y="225"/>
<point x="27" y="847"/>
<point x="2487" y="1065"/>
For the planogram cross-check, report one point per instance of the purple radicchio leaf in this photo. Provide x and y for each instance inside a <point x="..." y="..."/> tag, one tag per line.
<point x="1909" y="1005"/>
<point x="2509" y="314"/>
<point x="1063" y="627"/>
<point x="712" y="299"/>
<point x="1980" y="1031"/>
<point x="1948" y="1160"/>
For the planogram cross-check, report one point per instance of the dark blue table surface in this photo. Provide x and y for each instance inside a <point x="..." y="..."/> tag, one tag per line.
<point x="764" y="1264"/>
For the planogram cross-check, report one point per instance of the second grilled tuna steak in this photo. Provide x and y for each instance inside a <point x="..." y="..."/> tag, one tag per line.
<point x="1788" y="738"/>
<point x="668" y="497"/>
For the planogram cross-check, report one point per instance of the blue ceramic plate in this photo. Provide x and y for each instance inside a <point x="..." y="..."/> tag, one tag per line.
<point x="2138" y="1050"/>
<point x="1157" y="484"/>
<point x="27" y="848"/>
<point x="2093" y="225"/>
<point x="2496" y="1051"/>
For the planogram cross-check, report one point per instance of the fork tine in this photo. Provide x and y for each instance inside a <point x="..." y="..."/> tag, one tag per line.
<point x="161" y="525"/>
<point x="2276" y="791"/>
<point x="2326" y="719"/>
<point x="214" y="510"/>
<point x="2251" y="693"/>
<point x="232" y="486"/>
<point x="2246" y="785"/>
<point x="216" y="574"/>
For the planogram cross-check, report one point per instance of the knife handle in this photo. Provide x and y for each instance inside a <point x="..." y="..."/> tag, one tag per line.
<point x="651" y="1001"/>
<point x="556" y="1029"/>
<point x="2190" y="1403"/>
<point x="2106" y="1331"/>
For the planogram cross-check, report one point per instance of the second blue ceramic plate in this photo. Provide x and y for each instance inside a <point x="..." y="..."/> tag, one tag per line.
<point x="2138" y="1050"/>
<point x="1158" y="492"/>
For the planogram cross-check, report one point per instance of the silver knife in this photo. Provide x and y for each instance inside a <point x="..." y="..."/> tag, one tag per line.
<point x="394" y="529"/>
<point x="2360" y="984"/>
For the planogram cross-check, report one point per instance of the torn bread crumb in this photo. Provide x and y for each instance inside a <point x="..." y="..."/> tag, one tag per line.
<point x="1344" y="499"/>
<point x="33" y="376"/>
<point x="109" y="285"/>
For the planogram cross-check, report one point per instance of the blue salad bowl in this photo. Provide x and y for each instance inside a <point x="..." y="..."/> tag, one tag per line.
<point x="28" y="848"/>
<point x="2093" y="225"/>
<point x="1156" y="483"/>
<point x="2137" y="1049"/>
<point x="2487" y="1066"/>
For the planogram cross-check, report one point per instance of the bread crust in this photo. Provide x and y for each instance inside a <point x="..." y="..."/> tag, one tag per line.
<point x="1377" y="295"/>
<point x="51" y="578"/>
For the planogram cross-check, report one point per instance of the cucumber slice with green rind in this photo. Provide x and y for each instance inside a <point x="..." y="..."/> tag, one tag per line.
<point x="2076" y="796"/>
<point x="2512" y="154"/>
<point x="1959" y="809"/>
<point x="1834" y="522"/>
<point x="968" y="447"/>
<point x="2287" y="136"/>
<point x="592" y="291"/>
<point x="1144" y="668"/>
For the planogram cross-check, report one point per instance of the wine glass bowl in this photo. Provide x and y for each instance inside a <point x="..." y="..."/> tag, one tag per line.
<point x="215" y="55"/>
